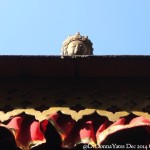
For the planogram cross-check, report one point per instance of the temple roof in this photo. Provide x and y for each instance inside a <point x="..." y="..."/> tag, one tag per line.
<point x="70" y="113"/>
<point x="79" y="66"/>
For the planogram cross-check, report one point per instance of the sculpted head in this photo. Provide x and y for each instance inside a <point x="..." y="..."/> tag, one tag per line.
<point x="77" y="45"/>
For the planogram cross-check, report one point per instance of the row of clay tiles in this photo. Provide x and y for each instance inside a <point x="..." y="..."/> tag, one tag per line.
<point x="60" y="131"/>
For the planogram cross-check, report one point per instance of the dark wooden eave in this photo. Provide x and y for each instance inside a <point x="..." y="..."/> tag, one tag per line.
<point x="81" y="66"/>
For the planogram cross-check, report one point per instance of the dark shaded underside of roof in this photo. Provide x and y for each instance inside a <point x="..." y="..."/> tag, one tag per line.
<point x="79" y="66"/>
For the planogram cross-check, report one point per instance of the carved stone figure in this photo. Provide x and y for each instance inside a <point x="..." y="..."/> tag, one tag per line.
<point x="77" y="45"/>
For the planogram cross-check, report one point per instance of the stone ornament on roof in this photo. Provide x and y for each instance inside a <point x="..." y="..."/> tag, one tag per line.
<point x="77" y="45"/>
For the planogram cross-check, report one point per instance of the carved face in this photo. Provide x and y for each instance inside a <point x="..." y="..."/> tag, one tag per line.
<point x="77" y="48"/>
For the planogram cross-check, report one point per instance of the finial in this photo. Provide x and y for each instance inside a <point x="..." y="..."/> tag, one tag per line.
<point x="77" y="45"/>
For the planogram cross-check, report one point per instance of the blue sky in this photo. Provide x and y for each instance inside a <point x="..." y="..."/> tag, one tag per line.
<point x="38" y="27"/>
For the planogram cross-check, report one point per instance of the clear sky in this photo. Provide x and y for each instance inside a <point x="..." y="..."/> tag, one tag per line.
<point x="38" y="27"/>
